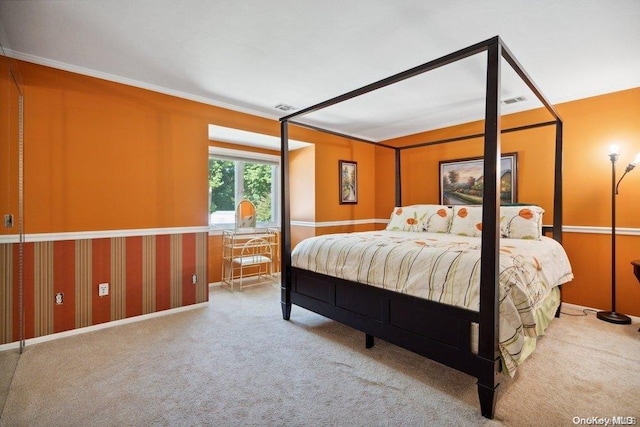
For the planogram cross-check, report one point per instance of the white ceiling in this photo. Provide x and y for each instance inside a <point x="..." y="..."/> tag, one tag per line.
<point x="250" y="55"/>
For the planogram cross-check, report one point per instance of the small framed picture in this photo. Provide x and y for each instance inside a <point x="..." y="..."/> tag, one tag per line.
<point x="348" y="182"/>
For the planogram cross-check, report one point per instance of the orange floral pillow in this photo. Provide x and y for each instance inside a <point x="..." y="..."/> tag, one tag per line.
<point x="467" y="221"/>
<point x="431" y="218"/>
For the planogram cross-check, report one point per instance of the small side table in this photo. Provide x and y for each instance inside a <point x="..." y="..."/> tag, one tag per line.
<point x="636" y="271"/>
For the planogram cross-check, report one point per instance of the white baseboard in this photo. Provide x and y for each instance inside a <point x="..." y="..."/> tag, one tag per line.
<point x="72" y="332"/>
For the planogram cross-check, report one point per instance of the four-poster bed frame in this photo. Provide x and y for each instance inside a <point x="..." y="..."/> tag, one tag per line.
<point x="438" y="331"/>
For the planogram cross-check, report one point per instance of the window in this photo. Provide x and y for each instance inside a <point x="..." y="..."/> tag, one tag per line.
<point x="235" y="175"/>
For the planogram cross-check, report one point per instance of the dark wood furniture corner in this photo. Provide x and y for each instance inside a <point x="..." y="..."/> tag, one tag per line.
<point x="636" y="268"/>
<point x="636" y="271"/>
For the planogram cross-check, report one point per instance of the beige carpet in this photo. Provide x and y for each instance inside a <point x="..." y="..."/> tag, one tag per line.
<point x="236" y="362"/>
<point x="8" y="364"/>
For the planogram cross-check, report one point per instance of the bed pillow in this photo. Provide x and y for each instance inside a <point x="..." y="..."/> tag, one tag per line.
<point x="521" y="222"/>
<point x="431" y="218"/>
<point x="516" y="222"/>
<point x="466" y="221"/>
<point x="438" y="219"/>
<point x="406" y="218"/>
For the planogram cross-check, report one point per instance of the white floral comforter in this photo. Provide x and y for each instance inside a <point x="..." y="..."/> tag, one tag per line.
<point x="445" y="268"/>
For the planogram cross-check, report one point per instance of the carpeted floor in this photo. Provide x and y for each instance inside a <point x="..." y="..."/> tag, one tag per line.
<point x="236" y="362"/>
<point x="8" y="364"/>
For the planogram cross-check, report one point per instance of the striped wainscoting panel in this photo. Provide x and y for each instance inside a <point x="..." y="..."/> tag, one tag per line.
<point x="43" y="288"/>
<point x="148" y="274"/>
<point x="175" y="250"/>
<point x="145" y="274"/>
<point x="6" y="292"/>
<point x="118" y="284"/>
<point x="83" y="282"/>
<point x="202" y="290"/>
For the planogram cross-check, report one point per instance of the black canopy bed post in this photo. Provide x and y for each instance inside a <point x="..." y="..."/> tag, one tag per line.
<point x="557" y="193"/>
<point x="369" y="339"/>
<point x="285" y="228"/>
<point x="488" y="351"/>
<point x="398" y="178"/>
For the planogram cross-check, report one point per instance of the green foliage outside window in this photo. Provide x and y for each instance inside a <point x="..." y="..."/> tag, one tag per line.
<point x="257" y="186"/>
<point x="221" y="181"/>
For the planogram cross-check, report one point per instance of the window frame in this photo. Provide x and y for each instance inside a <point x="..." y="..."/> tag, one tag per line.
<point x="220" y="153"/>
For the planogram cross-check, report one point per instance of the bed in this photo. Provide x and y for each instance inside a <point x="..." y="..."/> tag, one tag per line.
<point x="441" y="264"/>
<point x="470" y="336"/>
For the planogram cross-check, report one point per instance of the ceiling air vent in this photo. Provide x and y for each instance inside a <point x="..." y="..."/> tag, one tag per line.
<point x="513" y="100"/>
<point x="284" y="107"/>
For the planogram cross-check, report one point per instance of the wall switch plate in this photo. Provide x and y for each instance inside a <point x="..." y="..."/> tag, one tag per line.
<point x="59" y="298"/>
<point x="103" y="289"/>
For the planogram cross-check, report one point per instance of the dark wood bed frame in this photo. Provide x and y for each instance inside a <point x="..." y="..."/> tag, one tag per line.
<point x="437" y="331"/>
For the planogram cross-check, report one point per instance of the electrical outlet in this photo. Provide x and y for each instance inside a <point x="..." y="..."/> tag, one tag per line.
<point x="59" y="298"/>
<point x="103" y="289"/>
<point x="8" y="220"/>
<point x="194" y="278"/>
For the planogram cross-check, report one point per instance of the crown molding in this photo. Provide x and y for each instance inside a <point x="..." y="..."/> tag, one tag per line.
<point x="135" y="83"/>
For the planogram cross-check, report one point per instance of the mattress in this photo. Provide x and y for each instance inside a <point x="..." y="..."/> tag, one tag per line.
<point x="446" y="268"/>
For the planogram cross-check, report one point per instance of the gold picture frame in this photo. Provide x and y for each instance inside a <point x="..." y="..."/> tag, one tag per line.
<point x="462" y="183"/>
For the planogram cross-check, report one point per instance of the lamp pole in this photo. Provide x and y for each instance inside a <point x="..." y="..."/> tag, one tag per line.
<point x="613" y="316"/>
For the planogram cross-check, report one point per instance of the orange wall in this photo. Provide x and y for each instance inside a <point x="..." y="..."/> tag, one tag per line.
<point x="590" y="126"/>
<point x="302" y="192"/>
<point x="328" y="155"/>
<point x="105" y="156"/>
<point x="215" y="259"/>
<point x="9" y="139"/>
<point x="385" y="181"/>
<point x="315" y="194"/>
<point x="421" y="166"/>
<point x="302" y="185"/>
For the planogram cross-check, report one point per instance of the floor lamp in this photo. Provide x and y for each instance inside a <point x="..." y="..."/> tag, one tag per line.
<point x="613" y="316"/>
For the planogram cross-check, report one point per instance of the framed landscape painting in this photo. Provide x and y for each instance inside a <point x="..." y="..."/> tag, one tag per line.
<point x="462" y="180"/>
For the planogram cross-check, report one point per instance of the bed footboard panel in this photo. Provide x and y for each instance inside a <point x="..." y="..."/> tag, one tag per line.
<point x="437" y="331"/>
